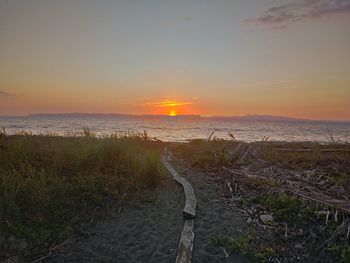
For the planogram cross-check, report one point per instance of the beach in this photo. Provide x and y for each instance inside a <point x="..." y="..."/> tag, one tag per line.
<point x="250" y="198"/>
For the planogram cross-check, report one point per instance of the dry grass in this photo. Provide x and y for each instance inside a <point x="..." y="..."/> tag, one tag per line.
<point x="265" y="178"/>
<point x="49" y="185"/>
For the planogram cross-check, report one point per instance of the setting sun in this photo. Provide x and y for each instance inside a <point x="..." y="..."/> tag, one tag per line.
<point x="228" y="100"/>
<point x="171" y="107"/>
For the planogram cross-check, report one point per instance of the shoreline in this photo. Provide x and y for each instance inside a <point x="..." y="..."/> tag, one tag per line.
<point x="120" y="134"/>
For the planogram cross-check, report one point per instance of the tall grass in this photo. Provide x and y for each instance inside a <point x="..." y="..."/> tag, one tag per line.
<point x="207" y="154"/>
<point x="50" y="184"/>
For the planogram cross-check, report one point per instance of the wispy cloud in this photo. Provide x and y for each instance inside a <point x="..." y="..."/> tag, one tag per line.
<point x="278" y="17"/>
<point x="171" y="103"/>
<point x="5" y="94"/>
<point x="168" y="103"/>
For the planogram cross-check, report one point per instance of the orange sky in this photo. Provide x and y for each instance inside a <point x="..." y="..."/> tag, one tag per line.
<point x="217" y="58"/>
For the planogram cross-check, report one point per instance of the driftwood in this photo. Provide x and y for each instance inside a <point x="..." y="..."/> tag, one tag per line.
<point x="240" y="172"/>
<point x="185" y="249"/>
<point x="341" y="205"/>
<point x="312" y="150"/>
<point x="189" y="210"/>
<point x="308" y="193"/>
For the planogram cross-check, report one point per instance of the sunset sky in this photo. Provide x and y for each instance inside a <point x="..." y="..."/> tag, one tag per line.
<point x="232" y="57"/>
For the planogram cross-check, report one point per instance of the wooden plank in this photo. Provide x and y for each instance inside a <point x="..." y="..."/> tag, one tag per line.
<point x="185" y="249"/>
<point x="189" y="210"/>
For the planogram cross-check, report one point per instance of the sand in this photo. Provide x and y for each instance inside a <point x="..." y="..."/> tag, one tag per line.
<point x="214" y="219"/>
<point x="151" y="232"/>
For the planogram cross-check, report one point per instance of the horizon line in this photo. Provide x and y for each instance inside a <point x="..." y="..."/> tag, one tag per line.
<point x="291" y="118"/>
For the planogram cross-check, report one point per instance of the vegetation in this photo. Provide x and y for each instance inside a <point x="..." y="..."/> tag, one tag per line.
<point x="277" y="186"/>
<point x="49" y="185"/>
<point x="245" y="245"/>
<point x="313" y="156"/>
<point x="286" y="208"/>
<point x="207" y="154"/>
<point x="215" y="153"/>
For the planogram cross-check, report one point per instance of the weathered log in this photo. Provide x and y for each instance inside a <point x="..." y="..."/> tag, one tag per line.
<point x="327" y="204"/>
<point x="338" y="204"/>
<point x="184" y="251"/>
<point x="189" y="210"/>
<point x="240" y="172"/>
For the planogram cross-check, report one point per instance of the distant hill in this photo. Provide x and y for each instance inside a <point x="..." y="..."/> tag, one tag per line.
<point x="254" y="117"/>
<point x="105" y="115"/>
<point x="260" y="118"/>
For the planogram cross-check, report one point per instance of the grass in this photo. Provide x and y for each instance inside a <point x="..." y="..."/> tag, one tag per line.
<point x="49" y="185"/>
<point x="207" y="154"/>
<point x="346" y="255"/>
<point x="216" y="153"/>
<point x="286" y="208"/>
<point x="306" y="160"/>
<point x="304" y="226"/>
<point x="244" y="245"/>
<point x="337" y="164"/>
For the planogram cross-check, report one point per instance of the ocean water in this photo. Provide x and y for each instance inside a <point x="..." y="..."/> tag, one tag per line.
<point x="178" y="129"/>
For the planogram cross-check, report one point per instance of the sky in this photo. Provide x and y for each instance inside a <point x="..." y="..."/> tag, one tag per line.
<point x="222" y="57"/>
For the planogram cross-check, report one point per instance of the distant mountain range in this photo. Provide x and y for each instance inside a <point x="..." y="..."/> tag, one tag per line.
<point x="150" y="116"/>
<point x="260" y="118"/>
<point x="106" y="115"/>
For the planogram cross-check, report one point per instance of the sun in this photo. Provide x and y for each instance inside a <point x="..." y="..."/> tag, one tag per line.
<point x="172" y="113"/>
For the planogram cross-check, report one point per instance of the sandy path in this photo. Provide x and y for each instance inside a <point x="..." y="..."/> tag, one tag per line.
<point x="144" y="234"/>
<point x="214" y="219"/>
<point x="151" y="233"/>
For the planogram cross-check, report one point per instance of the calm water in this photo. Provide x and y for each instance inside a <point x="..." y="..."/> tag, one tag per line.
<point x="178" y="129"/>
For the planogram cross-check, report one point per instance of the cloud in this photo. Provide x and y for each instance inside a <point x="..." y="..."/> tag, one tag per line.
<point x="171" y="103"/>
<point x="280" y="16"/>
<point x="5" y="94"/>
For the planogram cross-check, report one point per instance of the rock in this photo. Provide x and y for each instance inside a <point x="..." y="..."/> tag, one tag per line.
<point x="12" y="239"/>
<point x="260" y="208"/>
<point x="266" y="218"/>
<point x="299" y="246"/>
<point x="22" y="245"/>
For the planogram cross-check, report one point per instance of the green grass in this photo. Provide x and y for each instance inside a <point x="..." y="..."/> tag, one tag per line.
<point x="49" y="185"/>
<point x="244" y="245"/>
<point x="346" y="255"/>
<point x="286" y="208"/>
<point x="207" y="154"/>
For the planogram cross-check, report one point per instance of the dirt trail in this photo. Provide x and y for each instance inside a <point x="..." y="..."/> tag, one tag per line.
<point x="139" y="234"/>
<point x="214" y="219"/>
<point x="151" y="233"/>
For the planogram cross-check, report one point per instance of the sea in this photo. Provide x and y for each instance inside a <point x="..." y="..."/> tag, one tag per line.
<point x="181" y="129"/>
